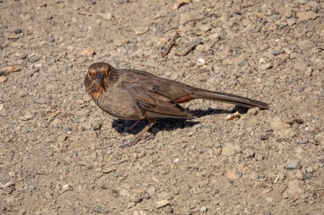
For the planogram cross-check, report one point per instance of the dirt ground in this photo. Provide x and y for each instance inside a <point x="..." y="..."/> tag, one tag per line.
<point x="60" y="154"/>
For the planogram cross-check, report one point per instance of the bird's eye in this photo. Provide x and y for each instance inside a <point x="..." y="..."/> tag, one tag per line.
<point x="92" y="74"/>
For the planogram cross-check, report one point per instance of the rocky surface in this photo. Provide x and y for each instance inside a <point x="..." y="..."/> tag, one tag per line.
<point x="60" y="154"/>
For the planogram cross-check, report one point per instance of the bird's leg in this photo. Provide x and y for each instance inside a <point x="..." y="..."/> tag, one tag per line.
<point x="140" y="135"/>
<point x="130" y="129"/>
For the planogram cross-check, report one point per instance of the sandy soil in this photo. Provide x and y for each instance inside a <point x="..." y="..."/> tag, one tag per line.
<point x="60" y="154"/>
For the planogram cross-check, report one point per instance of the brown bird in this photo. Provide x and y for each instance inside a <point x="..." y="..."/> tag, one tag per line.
<point x="138" y="95"/>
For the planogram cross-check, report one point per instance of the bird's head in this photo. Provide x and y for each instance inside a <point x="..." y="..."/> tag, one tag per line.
<point x="96" y="78"/>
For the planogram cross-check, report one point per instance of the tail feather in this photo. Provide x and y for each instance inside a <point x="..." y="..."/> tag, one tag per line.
<point x="229" y="98"/>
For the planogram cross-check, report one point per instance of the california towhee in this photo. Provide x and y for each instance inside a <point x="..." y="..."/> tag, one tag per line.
<point x="137" y="95"/>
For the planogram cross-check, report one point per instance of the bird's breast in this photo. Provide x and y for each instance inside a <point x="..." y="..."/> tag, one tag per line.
<point x="117" y="102"/>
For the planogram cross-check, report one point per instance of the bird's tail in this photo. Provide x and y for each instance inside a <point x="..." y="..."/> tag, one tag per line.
<point x="228" y="98"/>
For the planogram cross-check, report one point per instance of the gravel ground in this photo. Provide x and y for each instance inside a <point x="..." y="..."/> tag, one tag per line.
<point x="60" y="154"/>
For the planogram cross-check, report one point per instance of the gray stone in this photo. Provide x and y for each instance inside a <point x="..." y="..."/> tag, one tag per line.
<point x="293" y="164"/>
<point x="40" y="101"/>
<point x="301" y="141"/>
<point x="277" y="52"/>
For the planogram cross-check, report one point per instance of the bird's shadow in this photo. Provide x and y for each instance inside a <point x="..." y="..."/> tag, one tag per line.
<point x="167" y="124"/>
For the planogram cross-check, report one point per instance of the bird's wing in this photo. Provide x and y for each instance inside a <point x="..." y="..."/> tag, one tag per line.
<point x="152" y="104"/>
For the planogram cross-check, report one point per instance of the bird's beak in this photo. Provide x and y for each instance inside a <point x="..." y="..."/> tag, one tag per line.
<point x="100" y="81"/>
<point x="99" y="77"/>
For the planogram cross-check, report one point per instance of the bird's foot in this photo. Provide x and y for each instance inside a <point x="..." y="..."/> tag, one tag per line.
<point x="131" y="143"/>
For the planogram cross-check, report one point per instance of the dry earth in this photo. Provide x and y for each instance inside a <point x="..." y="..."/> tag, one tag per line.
<point x="60" y="154"/>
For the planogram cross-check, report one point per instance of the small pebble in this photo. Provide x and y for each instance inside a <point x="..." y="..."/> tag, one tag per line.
<point x="277" y="52"/>
<point x="230" y="150"/>
<point x="40" y="101"/>
<point x="151" y="191"/>
<point x="141" y="30"/>
<point x="26" y="117"/>
<point x="300" y="175"/>
<point x="162" y="203"/>
<point x="12" y="174"/>
<point x="151" y="63"/>
<point x="96" y="125"/>
<point x="203" y="209"/>
<point x="220" y="33"/>
<point x="65" y="188"/>
<point x="61" y="138"/>
<point x="319" y="138"/>
<point x="293" y="164"/>
<point x="301" y="141"/>
<point x="248" y="153"/>
<point x="265" y="66"/>
<point x="309" y="170"/>
<point x="302" y="1"/>
<point x="3" y="79"/>
<point x="201" y="61"/>
<point x="205" y="28"/>
<point x="308" y="72"/>
<point x="88" y="52"/>
<point x="108" y="16"/>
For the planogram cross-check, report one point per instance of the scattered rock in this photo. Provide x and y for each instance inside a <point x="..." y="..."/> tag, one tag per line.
<point x="201" y="61"/>
<point x="300" y="175"/>
<point x="293" y="164"/>
<point x="265" y="66"/>
<point x="219" y="33"/>
<point x="309" y="170"/>
<point x="294" y="187"/>
<point x="281" y="130"/>
<point x="301" y="141"/>
<point x="108" y="170"/>
<point x="308" y="72"/>
<point x="65" y="188"/>
<point x="151" y="191"/>
<point x="302" y="1"/>
<point x="61" y="138"/>
<point x="248" y="153"/>
<point x="27" y="116"/>
<point x="162" y="203"/>
<point x="3" y="79"/>
<point x="108" y="16"/>
<point x="40" y="101"/>
<point x="141" y="30"/>
<point x="230" y="150"/>
<point x="234" y="174"/>
<point x="306" y="15"/>
<point x="203" y="209"/>
<point x="184" y="18"/>
<point x="319" y="138"/>
<point x="278" y="52"/>
<point x="204" y="28"/>
<point x="151" y="63"/>
<point x="96" y="125"/>
<point x="88" y="52"/>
